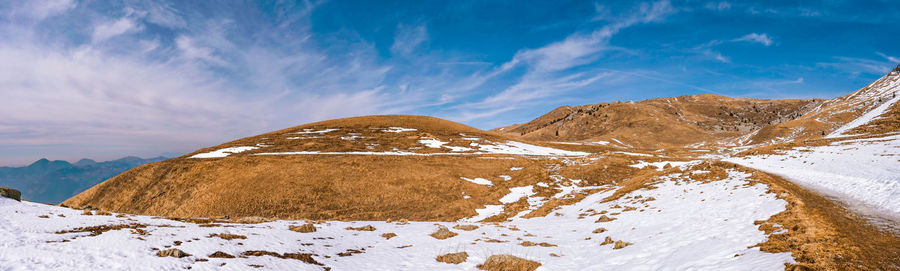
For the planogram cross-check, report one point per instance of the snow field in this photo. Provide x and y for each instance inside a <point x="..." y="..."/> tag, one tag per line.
<point x="686" y="225"/>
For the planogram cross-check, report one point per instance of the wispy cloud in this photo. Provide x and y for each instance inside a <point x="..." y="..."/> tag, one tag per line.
<point x="544" y="77"/>
<point x="854" y="66"/>
<point x="719" y="6"/>
<point x="37" y="10"/>
<point x="407" y="38"/>
<point x="763" y="39"/>
<point x="114" y="28"/>
<point x="889" y="58"/>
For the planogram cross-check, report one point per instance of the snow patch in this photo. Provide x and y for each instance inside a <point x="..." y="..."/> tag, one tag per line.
<point x="398" y="130"/>
<point x="481" y="181"/>
<point x="223" y="152"/>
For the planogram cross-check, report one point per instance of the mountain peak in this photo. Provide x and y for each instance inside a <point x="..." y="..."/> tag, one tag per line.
<point x="896" y="70"/>
<point x="85" y="162"/>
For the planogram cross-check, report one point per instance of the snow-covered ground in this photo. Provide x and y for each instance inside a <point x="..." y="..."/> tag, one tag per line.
<point x="679" y="225"/>
<point x="863" y="171"/>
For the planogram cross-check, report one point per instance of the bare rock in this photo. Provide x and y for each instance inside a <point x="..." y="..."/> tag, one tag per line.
<point x="10" y="193"/>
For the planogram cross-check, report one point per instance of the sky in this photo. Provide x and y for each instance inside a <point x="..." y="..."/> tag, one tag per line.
<point x="107" y="79"/>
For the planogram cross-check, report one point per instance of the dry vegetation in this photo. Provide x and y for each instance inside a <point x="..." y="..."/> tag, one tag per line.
<point x="305" y="228"/>
<point x="504" y="262"/>
<point x="822" y="235"/>
<point x="311" y="187"/>
<point x="673" y="122"/>
<point x="453" y="258"/>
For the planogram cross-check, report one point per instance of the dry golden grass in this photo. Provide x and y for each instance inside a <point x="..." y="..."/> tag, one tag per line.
<point x="332" y="187"/>
<point x="606" y="241"/>
<point x="453" y="258"/>
<point x="465" y="227"/>
<point x="504" y="262"/>
<point x="98" y="230"/>
<point x="531" y="244"/>
<point x="312" y="187"/>
<point x="388" y="235"/>
<point x="304" y="257"/>
<point x="305" y="228"/>
<point x="443" y="233"/>
<point x="822" y="235"/>
<point x="172" y="252"/>
<point x="227" y="236"/>
<point x="673" y="122"/>
<point x="363" y="228"/>
<point x="621" y="244"/>
<point x="219" y="254"/>
<point x="889" y="122"/>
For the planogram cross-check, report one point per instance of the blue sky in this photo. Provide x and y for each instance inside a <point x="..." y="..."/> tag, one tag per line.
<point x="105" y="79"/>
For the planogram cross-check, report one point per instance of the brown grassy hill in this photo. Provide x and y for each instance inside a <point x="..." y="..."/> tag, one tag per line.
<point x="663" y="122"/>
<point x="697" y="120"/>
<point x="834" y="113"/>
<point x="330" y="170"/>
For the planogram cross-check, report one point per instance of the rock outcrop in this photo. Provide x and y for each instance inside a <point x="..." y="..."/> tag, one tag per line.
<point x="10" y="193"/>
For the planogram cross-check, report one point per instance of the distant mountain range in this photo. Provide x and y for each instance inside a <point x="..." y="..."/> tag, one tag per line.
<point x="55" y="181"/>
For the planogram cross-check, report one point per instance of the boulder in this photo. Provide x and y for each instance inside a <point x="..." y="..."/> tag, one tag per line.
<point x="10" y="193"/>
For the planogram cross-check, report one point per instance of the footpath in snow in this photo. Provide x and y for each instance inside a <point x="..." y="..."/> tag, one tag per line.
<point x="863" y="173"/>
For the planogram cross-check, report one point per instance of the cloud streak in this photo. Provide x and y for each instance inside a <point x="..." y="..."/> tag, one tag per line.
<point x="763" y="39"/>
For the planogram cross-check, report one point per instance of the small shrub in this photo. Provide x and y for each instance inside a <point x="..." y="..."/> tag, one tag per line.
<point x="443" y="233"/>
<point x="621" y="244"/>
<point x="172" y="252"/>
<point x="305" y="228"/>
<point x="505" y="262"/>
<point x="363" y="228"/>
<point x="453" y="258"/>
<point x="466" y="227"/>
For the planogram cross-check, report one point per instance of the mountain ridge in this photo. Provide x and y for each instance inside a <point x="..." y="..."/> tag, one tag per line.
<point x="55" y="181"/>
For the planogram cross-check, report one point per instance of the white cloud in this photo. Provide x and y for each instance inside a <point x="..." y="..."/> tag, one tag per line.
<point x="720" y="6"/>
<point x="546" y="66"/>
<point x="856" y="66"/>
<point x="763" y="38"/>
<point x="191" y="50"/>
<point x="39" y="10"/>
<point x="407" y="39"/>
<point x="889" y="58"/>
<point x="106" y="30"/>
<point x="717" y="56"/>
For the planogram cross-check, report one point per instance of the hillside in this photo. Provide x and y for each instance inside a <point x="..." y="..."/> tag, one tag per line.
<point x="411" y="192"/>
<point x="662" y="122"/>
<point x="366" y="168"/>
<point x="55" y="181"/>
